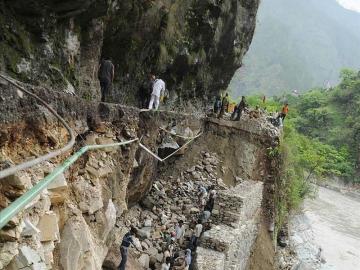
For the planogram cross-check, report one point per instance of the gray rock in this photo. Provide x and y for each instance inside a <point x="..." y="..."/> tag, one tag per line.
<point x="8" y="251"/>
<point x="29" y="258"/>
<point x="160" y="257"/>
<point x="29" y="229"/>
<point x="144" y="260"/>
<point x="88" y="196"/>
<point x="144" y="233"/>
<point x="167" y="148"/>
<point x="18" y="180"/>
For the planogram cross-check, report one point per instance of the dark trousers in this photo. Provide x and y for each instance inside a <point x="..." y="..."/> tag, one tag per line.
<point x="282" y="116"/>
<point x="193" y="242"/>
<point x="222" y="112"/>
<point x="105" y="85"/>
<point x="124" y="255"/>
<point x="237" y="114"/>
<point x="144" y="102"/>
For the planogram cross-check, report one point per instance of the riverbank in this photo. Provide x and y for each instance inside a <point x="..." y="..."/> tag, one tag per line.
<point x="325" y="234"/>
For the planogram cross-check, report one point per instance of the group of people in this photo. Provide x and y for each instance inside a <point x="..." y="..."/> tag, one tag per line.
<point x="178" y="251"/>
<point x="149" y="94"/>
<point x="221" y="105"/>
<point x="154" y="89"/>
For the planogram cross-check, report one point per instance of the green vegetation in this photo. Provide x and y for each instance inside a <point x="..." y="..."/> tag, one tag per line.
<point x="325" y="124"/>
<point x="321" y="138"/>
<point x="271" y="105"/>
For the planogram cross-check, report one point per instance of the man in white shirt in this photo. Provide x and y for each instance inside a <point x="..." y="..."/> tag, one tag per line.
<point x="166" y="264"/>
<point x="180" y="232"/>
<point x="157" y="89"/>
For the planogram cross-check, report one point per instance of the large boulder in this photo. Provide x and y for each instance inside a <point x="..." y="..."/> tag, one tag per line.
<point x="78" y="248"/>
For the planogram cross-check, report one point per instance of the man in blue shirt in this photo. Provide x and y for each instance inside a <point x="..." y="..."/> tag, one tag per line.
<point x="125" y="244"/>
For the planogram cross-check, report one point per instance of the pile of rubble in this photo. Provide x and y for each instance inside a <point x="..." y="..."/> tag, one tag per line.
<point x="169" y="201"/>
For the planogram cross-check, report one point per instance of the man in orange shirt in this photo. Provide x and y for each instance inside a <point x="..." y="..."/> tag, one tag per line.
<point x="284" y="112"/>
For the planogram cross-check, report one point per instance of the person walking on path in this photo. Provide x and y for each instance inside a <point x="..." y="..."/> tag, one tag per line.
<point x="217" y="104"/>
<point x="205" y="215"/>
<point x="210" y="203"/>
<point x="196" y="235"/>
<point x="239" y="109"/>
<point x="224" y="105"/>
<point x="124" y="248"/>
<point x="145" y="92"/>
<point x="158" y="88"/>
<point x="106" y="77"/>
<point x="202" y="197"/>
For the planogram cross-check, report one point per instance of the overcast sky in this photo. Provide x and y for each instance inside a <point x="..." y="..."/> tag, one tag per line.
<point x="350" y="4"/>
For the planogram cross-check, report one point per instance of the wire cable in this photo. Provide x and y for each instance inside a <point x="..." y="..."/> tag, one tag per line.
<point x="30" y="163"/>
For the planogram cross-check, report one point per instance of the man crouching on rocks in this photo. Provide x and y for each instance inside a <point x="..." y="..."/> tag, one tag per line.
<point x="124" y="249"/>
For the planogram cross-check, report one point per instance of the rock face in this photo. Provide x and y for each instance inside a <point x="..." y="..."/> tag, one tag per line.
<point x="196" y="46"/>
<point x="193" y="45"/>
<point x="74" y="219"/>
<point x="78" y="249"/>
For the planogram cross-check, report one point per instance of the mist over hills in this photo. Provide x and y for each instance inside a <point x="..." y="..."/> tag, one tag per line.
<point x="299" y="45"/>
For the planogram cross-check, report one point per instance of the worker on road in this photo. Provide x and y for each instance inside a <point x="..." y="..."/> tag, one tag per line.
<point x="106" y="77"/>
<point x="158" y="89"/>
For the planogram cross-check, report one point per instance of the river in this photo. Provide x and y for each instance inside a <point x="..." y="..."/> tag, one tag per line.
<point x="326" y="234"/>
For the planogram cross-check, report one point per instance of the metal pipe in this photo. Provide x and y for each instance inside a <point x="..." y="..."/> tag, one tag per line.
<point x="14" y="208"/>
<point x="30" y="163"/>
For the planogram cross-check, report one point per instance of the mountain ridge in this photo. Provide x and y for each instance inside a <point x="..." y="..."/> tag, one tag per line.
<point x="298" y="46"/>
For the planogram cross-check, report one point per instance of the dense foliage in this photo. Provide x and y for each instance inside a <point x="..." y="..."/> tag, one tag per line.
<point x="321" y="137"/>
<point x="325" y="126"/>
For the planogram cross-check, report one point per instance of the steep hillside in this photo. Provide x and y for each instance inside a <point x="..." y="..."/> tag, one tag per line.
<point x="299" y="45"/>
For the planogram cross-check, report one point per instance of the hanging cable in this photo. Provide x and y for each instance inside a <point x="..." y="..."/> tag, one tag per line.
<point x="30" y="163"/>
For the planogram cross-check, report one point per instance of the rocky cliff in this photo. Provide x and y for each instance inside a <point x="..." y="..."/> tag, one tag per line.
<point x="79" y="220"/>
<point x="194" y="45"/>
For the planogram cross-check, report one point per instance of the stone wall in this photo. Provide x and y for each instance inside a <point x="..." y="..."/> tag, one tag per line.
<point x="237" y="213"/>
